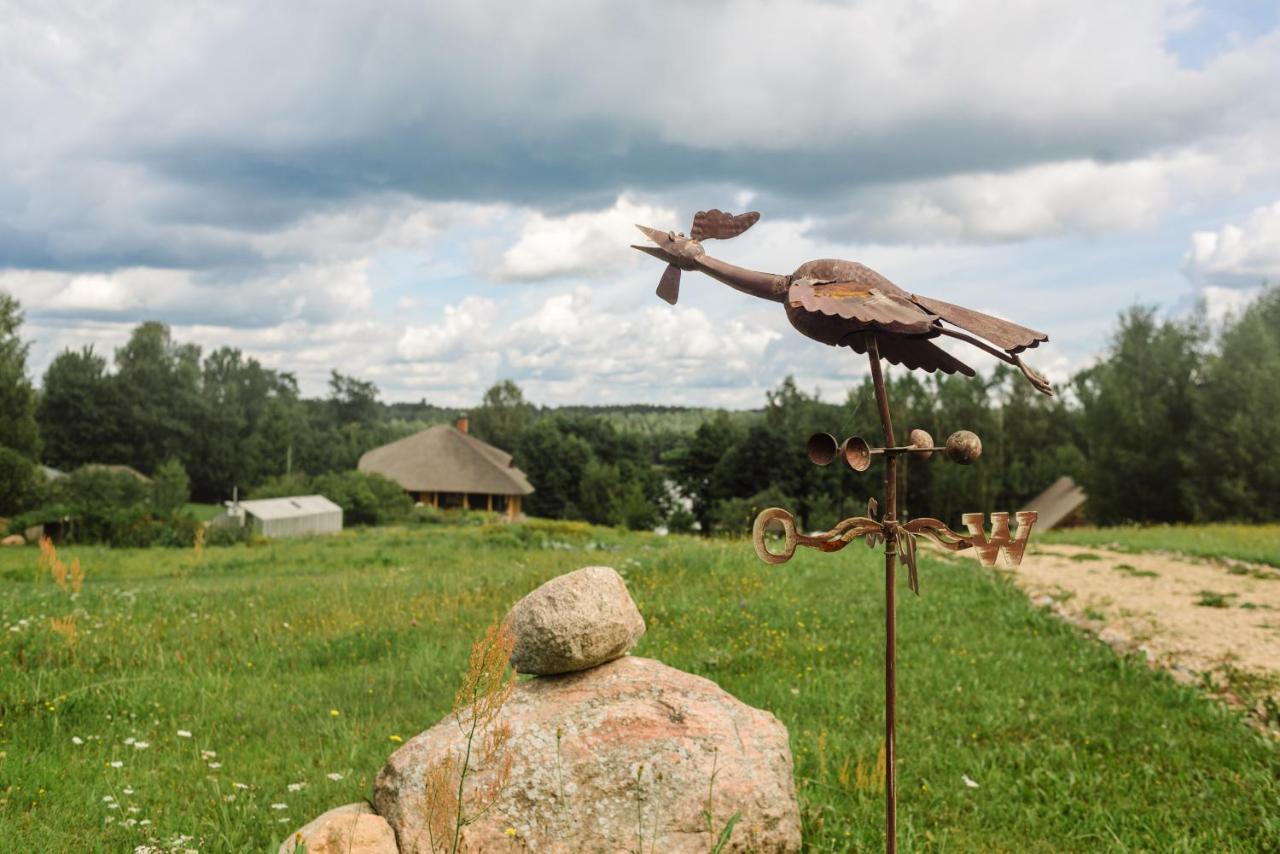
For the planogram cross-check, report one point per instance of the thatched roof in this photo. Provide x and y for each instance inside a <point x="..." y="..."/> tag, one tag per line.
<point x="444" y="459"/>
<point x="1058" y="503"/>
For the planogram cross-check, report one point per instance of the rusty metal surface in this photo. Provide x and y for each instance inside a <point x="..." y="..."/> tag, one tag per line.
<point x="717" y="224"/>
<point x="1006" y="335"/>
<point x="869" y="307"/>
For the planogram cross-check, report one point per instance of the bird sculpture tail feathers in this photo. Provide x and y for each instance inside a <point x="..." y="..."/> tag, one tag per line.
<point x="674" y="248"/>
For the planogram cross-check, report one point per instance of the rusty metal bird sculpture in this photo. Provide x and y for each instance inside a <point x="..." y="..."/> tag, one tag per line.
<point x="843" y="303"/>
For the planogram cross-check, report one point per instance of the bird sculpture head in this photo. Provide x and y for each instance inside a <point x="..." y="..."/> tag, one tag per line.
<point x="681" y="252"/>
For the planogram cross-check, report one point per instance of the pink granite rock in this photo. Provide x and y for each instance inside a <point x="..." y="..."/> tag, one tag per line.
<point x="349" y="829"/>
<point x="623" y="757"/>
<point x="574" y="621"/>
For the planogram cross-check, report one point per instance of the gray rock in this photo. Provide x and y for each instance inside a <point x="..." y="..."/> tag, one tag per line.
<point x="621" y="757"/>
<point x="575" y="621"/>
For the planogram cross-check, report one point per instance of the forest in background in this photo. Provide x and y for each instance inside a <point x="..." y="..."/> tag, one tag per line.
<point x="1174" y="423"/>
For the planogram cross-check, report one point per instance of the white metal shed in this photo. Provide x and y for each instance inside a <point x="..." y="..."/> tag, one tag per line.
<point x="298" y="516"/>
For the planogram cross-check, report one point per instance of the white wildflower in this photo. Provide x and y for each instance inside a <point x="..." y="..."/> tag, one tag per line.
<point x="128" y="791"/>
<point x="334" y="776"/>
<point x="106" y="799"/>
<point x="117" y="764"/>
<point x="240" y="785"/>
<point x="141" y="745"/>
<point x="279" y="806"/>
<point x="297" y="787"/>
<point x="77" y="740"/>
<point x="970" y="784"/>
<point x="183" y="733"/>
<point x="215" y="765"/>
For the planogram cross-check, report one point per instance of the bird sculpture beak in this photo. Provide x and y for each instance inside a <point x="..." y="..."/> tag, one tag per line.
<point x="662" y="238"/>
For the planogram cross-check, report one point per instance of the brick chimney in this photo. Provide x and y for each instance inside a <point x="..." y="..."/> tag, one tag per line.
<point x="462" y="424"/>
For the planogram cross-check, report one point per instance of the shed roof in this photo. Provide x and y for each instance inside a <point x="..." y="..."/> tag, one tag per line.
<point x="1056" y="503"/>
<point x="444" y="459"/>
<point x="289" y="508"/>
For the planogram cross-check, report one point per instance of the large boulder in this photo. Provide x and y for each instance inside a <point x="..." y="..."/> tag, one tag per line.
<point x="349" y="829"/>
<point x="628" y="756"/>
<point x="573" y="622"/>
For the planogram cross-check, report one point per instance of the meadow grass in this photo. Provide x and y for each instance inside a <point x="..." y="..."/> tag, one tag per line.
<point x="225" y="701"/>
<point x="203" y="512"/>
<point x="1251" y="543"/>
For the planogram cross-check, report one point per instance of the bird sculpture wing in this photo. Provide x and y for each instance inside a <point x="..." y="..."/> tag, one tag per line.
<point x="863" y="303"/>
<point x="861" y="308"/>
<point x="717" y="224"/>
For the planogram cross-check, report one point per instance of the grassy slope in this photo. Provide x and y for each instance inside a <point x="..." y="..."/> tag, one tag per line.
<point x="254" y="649"/>
<point x="1252" y="543"/>
<point x="204" y="512"/>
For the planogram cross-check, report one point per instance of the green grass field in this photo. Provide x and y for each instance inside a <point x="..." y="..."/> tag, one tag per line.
<point x="296" y="667"/>
<point x="1252" y="543"/>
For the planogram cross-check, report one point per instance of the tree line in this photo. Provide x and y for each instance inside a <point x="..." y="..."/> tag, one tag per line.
<point x="1174" y="423"/>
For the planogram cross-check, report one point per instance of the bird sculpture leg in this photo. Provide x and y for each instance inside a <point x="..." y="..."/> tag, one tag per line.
<point x="1037" y="379"/>
<point x="890" y="606"/>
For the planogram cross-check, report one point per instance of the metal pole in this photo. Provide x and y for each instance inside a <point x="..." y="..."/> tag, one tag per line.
<point x="890" y="608"/>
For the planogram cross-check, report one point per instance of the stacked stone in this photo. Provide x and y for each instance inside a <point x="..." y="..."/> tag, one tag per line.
<point x="606" y="751"/>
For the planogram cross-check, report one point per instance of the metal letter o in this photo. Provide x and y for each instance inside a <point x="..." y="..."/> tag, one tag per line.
<point x="788" y="532"/>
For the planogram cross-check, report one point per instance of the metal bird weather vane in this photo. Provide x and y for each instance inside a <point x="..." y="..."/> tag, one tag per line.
<point x="846" y="304"/>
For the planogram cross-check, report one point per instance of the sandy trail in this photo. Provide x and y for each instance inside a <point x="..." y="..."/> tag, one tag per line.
<point x="1192" y="617"/>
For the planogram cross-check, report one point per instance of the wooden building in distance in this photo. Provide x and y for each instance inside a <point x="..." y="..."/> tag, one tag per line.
<point x="445" y="467"/>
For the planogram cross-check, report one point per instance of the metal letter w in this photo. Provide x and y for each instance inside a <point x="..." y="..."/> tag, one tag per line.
<point x="1000" y="543"/>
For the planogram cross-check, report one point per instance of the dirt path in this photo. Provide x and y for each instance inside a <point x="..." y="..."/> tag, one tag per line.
<point x="1199" y="619"/>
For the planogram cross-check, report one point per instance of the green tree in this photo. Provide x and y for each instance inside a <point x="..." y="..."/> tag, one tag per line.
<point x="158" y="381"/>
<point x="170" y="487"/>
<point x="18" y="427"/>
<point x="694" y="467"/>
<point x="1138" y="409"/>
<point x="79" y="413"/>
<point x="554" y="462"/>
<point x="1231" y="457"/>
<point x="352" y="401"/>
<point x="503" y="416"/>
<point x="598" y="493"/>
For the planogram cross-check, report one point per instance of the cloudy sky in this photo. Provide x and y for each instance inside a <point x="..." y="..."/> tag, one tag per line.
<point x="436" y="196"/>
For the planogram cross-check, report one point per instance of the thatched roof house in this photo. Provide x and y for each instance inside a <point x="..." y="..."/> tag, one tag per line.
<point x="444" y="466"/>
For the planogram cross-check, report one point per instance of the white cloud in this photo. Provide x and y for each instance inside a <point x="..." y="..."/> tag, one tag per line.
<point x="1245" y="255"/>
<point x="314" y="292"/>
<point x="590" y="243"/>
<point x="464" y="329"/>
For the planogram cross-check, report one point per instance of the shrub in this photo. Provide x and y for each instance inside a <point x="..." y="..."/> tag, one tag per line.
<point x="226" y="535"/>
<point x="22" y="484"/>
<point x="737" y="514"/>
<point x="95" y="486"/>
<point x="365" y="498"/>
